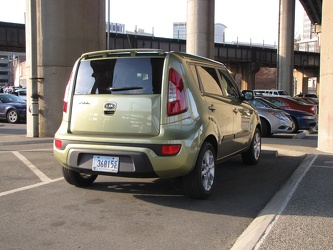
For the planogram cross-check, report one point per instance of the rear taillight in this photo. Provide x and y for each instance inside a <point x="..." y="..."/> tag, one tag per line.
<point x="66" y="96"/>
<point x="176" y="94"/>
<point x="58" y="144"/>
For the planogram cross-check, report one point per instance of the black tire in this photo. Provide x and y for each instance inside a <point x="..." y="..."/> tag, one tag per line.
<point x="296" y="127"/>
<point x="12" y="116"/>
<point x="265" y="128"/>
<point x="78" y="179"/>
<point x="199" y="183"/>
<point x="252" y="155"/>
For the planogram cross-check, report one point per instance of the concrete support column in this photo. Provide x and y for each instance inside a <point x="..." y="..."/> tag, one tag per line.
<point x="65" y="30"/>
<point x="286" y="45"/>
<point x="299" y="81"/>
<point x="244" y="74"/>
<point x="325" y="128"/>
<point x="200" y="28"/>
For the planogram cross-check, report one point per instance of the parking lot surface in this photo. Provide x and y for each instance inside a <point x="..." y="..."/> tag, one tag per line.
<point x="274" y="205"/>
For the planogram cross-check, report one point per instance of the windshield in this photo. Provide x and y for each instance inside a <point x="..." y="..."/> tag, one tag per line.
<point x="266" y="103"/>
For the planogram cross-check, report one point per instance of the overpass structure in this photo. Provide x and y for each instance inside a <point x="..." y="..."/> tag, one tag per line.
<point x="12" y="39"/>
<point x="239" y="58"/>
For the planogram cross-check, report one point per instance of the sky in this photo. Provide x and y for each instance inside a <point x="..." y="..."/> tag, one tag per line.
<point x="254" y="21"/>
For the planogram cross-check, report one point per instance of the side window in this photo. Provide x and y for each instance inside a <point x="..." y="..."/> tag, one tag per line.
<point x="209" y="80"/>
<point x="228" y="86"/>
<point x="195" y="75"/>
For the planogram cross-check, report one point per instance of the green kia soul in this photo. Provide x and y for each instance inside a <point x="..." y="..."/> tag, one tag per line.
<point x="150" y="113"/>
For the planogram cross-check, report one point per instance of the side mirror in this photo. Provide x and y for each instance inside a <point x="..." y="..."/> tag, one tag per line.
<point x="248" y="94"/>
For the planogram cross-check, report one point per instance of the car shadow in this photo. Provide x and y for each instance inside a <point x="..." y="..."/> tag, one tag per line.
<point x="239" y="189"/>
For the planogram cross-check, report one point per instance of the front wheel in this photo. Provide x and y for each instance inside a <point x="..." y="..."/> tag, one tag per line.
<point x="295" y="128"/>
<point x="78" y="179"/>
<point x="252" y="155"/>
<point x="199" y="183"/>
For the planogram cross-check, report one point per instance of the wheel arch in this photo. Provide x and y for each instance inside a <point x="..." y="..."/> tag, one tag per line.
<point x="212" y="140"/>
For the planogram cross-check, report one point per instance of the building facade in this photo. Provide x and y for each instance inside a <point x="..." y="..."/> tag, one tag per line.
<point x="179" y="31"/>
<point x="12" y="73"/>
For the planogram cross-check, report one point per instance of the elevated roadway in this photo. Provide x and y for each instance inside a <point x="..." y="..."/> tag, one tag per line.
<point x="12" y="38"/>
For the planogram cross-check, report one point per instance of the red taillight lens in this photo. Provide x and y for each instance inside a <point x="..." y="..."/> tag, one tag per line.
<point x="176" y="94"/>
<point x="58" y="144"/>
<point x="65" y="107"/>
<point x="170" y="149"/>
<point x="66" y="96"/>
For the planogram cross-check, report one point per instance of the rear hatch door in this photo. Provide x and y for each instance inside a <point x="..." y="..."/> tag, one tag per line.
<point x="117" y="96"/>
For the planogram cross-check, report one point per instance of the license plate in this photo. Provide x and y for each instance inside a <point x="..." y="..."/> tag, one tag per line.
<point x="105" y="163"/>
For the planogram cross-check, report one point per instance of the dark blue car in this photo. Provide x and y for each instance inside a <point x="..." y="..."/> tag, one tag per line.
<point x="12" y="108"/>
<point x="302" y="119"/>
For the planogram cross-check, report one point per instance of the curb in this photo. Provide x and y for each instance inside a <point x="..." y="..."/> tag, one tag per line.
<point x="8" y="143"/>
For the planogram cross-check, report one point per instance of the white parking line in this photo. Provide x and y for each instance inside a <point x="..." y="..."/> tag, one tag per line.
<point x="32" y="167"/>
<point x="29" y="187"/>
<point x="254" y="235"/>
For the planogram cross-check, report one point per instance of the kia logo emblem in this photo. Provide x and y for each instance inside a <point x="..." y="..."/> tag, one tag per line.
<point x="110" y="106"/>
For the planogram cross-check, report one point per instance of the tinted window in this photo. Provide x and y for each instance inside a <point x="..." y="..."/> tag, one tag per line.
<point x="120" y="76"/>
<point x="209" y="80"/>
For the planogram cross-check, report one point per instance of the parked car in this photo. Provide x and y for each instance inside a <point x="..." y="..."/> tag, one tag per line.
<point x="150" y="113"/>
<point x="302" y="120"/>
<point x="271" y="92"/>
<point x="312" y="96"/>
<point x="22" y="93"/>
<point x="307" y="100"/>
<point x="12" y="108"/>
<point x="273" y="120"/>
<point x="290" y="103"/>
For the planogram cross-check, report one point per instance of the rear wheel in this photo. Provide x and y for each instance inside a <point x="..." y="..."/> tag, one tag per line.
<point x="199" y="183"/>
<point x="252" y="155"/>
<point x="78" y="179"/>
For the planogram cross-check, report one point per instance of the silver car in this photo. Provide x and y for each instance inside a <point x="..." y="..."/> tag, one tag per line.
<point x="273" y="121"/>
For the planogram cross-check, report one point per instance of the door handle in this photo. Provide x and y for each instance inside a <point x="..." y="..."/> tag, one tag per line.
<point x="235" y="110"/>
<point x="211" y="107"/>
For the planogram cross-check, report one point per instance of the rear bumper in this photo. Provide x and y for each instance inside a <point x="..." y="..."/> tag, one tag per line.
<point x="134" y="160"/>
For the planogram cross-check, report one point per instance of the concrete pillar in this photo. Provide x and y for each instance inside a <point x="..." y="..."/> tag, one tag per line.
<point x="286" y="45"/>
<point x="325" y="125"/>
<point x="65" y="30"/>
<point x="298" y="74"/>
<point x="244" y="74"/>
<point x="200" y="28"/>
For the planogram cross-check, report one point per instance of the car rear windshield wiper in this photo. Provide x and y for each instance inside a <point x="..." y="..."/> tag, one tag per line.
<point x="125" y="88"/>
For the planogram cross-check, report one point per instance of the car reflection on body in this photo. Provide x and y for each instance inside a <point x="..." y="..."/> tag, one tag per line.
<point x="302" y="120"/>
<point x="273" y="120"/>
<point x="12" y="108"/>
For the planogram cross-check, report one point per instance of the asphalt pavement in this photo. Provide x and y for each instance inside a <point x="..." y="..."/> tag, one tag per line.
<point x="299" y="216"/>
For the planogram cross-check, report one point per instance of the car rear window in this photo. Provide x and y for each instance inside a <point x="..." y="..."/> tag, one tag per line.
<point x="120" y="76"/>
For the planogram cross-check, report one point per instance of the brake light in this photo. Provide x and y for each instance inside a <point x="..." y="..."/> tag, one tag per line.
<point x="170" y="149"/>
<point x="66" y="96"/>
<point x="58" y="144"/>
<point x="176" y="94"/>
